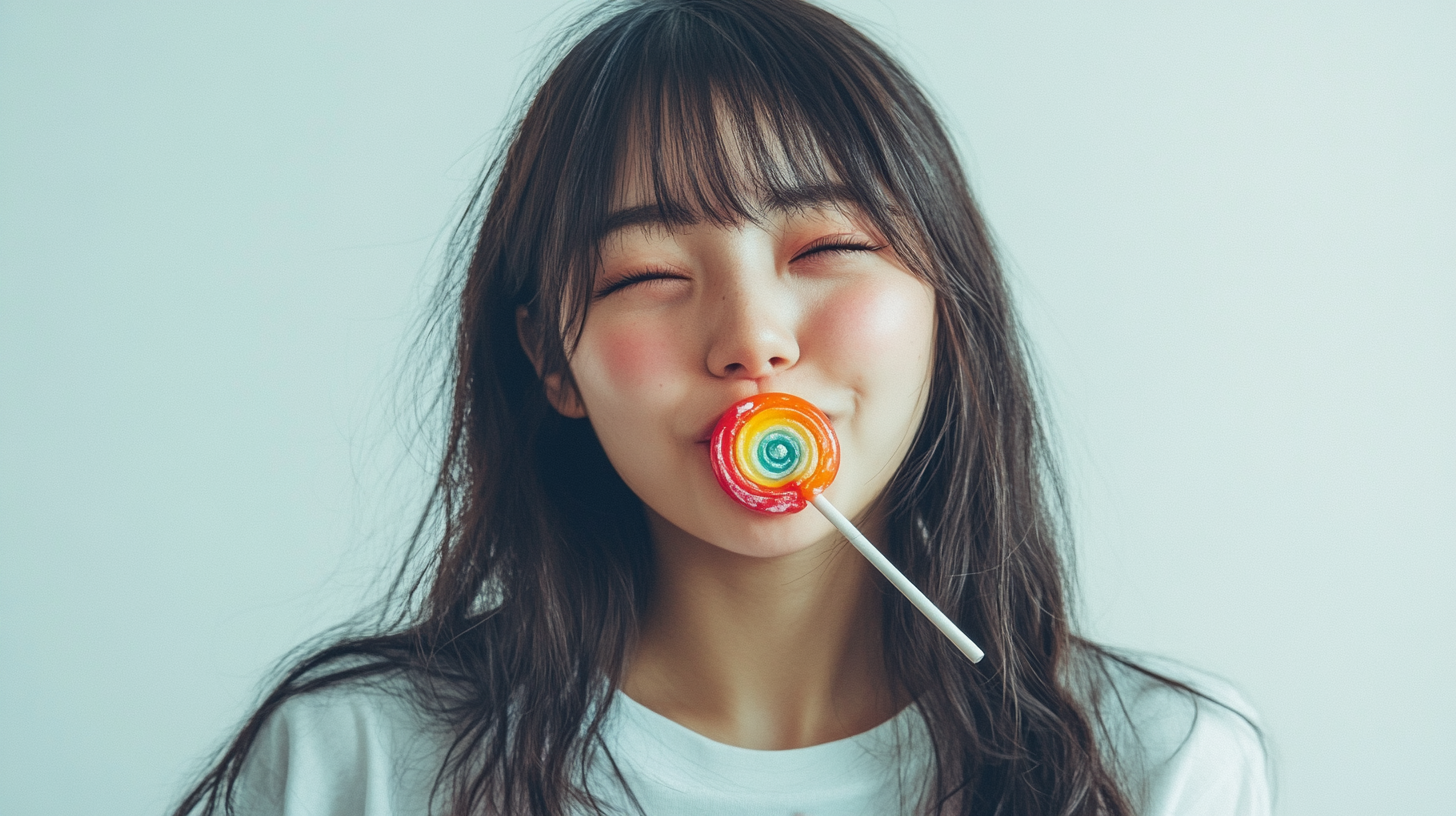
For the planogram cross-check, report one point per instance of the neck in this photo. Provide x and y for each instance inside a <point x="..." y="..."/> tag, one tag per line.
<point x="767" y="653"/>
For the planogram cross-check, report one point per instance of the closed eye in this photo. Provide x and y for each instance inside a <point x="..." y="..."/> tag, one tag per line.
<point x="838" y="243"/>
<point x="633" y="278"/>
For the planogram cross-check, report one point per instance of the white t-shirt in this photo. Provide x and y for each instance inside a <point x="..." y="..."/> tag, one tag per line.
<point x="367" y="751"/>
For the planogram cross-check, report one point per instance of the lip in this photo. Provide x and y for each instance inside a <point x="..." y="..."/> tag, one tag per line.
<point x="705" y="431"/>
<point x="705" y="435"/>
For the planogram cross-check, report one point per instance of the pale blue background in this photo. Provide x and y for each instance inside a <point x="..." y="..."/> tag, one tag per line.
<point x="1230" y="227"/>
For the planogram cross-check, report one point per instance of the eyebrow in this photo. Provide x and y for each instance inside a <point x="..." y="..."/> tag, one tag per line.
<point x="802" y="197"/>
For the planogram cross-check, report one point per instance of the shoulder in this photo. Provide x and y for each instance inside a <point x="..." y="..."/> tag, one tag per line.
<point x="360" y="747"/>
<point x="1183" y="741"/>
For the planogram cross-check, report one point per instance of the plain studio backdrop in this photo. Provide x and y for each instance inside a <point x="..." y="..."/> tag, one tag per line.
<point x="1229" y="229"/>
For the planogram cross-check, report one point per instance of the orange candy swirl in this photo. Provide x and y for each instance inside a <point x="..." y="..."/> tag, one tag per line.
<point x="774" y="452"/>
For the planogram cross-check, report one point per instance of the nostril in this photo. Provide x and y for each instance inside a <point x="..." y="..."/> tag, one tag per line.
<point x="751" y="349"/>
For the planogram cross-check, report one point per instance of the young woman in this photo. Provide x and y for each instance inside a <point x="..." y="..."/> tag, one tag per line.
<point x="707" y="200"/>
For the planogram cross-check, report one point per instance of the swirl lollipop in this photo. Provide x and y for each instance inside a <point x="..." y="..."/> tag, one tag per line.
<point x="775" y="453"/>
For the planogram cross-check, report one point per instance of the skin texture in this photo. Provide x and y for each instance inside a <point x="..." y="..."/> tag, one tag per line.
<point x="763" y="631"/>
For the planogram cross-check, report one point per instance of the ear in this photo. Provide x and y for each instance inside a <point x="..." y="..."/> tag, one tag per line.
<point x="561" y="394"/>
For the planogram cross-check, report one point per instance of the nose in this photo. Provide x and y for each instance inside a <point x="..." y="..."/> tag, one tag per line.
<point x="752" y="332"/>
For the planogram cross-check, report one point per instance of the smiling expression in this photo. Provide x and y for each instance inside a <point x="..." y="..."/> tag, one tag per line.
<point x="687" y="318"/>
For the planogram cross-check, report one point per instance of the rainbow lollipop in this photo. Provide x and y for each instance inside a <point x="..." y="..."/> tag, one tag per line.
<point x="775" y="453"/>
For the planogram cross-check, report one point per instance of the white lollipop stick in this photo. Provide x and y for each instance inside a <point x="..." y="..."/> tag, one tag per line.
<point x="924" y="604"/>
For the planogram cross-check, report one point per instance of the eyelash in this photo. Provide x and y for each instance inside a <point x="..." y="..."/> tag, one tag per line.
<point x="827" y="244"/>
<point x="631" y="278"/>
<point x="839" y="244"/>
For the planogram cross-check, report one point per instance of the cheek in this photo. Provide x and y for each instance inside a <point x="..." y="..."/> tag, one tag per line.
<point x="880" y="326"/>
<point x="626" y="357"/>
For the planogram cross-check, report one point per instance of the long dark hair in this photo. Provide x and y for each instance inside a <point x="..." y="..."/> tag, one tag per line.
<point x="533" y="561"/>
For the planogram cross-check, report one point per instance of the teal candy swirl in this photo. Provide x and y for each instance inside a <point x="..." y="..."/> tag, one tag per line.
<point x="778" y="453"/>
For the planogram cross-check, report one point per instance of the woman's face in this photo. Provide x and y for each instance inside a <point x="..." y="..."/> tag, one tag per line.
<point x="686" y="319"/>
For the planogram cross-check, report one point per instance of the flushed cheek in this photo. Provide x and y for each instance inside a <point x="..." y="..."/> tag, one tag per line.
<point x="627" y="359"/>
<point x="879" y="328"/>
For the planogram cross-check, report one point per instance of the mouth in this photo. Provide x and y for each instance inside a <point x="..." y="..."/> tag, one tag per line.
<point x="705" y="435"/>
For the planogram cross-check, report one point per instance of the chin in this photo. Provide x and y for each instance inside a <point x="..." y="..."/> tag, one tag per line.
<point x="703" y="512"/>
<point x="762" y="535"/>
